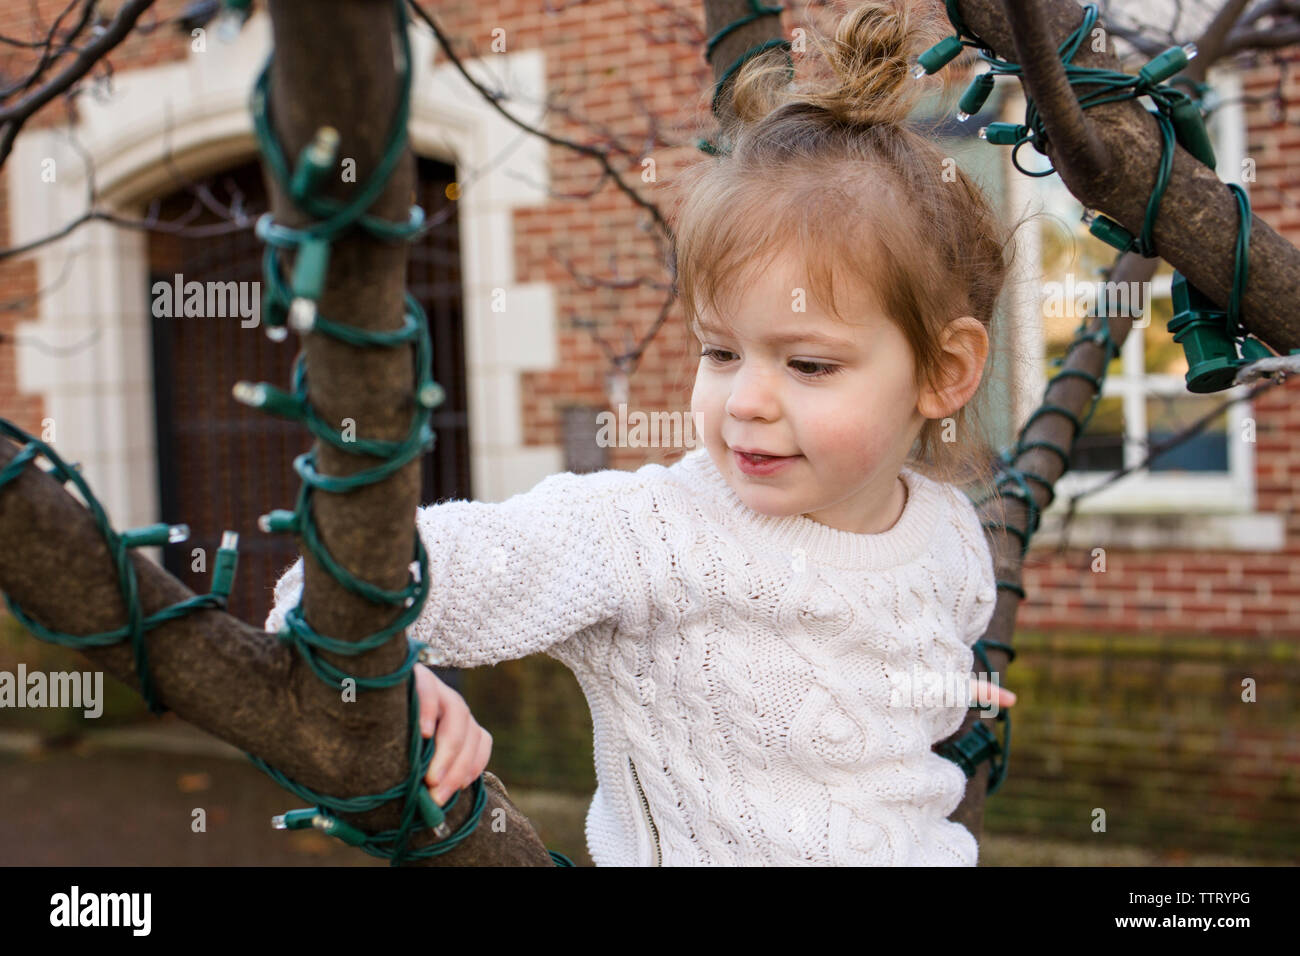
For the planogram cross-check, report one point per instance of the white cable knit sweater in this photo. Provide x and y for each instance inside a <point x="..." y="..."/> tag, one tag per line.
<point x="739" y="667"/>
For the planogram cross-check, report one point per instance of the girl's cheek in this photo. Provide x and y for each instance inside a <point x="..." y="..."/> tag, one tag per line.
<point x="853" y="440"/>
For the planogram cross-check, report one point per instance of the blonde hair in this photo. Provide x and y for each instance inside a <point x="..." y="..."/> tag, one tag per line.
<point x="833" y="172"/>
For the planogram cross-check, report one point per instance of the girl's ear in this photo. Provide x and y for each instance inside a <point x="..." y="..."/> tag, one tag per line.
<point x="966" y="349"/>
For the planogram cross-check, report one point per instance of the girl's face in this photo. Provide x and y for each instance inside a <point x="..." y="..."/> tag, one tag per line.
<point x="837" y="401"/>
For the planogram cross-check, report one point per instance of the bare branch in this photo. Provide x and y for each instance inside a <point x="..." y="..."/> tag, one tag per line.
<point x="1138" y="40"/>
<point x="13" y="117"/>
<point x="1044" y="73"/>
<point x="1263" y="38"/>
<point x="600" y="155"/>
<point x="49" y="55"/>
<point x="1211" y="45"/>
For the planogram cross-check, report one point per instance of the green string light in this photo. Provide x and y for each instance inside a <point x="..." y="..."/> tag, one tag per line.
<point x="979" y="744"/>
<point x="1206" y="333"/>
<point x="1214" y="339"/>
<point x="1177" y="113"/>
<point x="1183" y="128"/>
<point x="757" y="10"/>
<point x="118" y="544"/>
<point x="1179" y="118"/>
<point x="295" y="304"/>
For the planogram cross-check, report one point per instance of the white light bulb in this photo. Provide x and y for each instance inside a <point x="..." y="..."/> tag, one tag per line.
<point x="302" y="315"/>
<point x="249" y="393"/>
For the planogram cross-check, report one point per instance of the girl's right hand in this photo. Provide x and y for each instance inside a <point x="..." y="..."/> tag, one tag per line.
<point x="461" y="746"/>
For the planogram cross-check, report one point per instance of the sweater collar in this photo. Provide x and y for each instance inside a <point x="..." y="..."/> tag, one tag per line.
<point x="904" y="542"/>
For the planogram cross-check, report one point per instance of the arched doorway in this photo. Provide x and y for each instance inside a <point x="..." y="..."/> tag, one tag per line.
<point x="222" y="464"/>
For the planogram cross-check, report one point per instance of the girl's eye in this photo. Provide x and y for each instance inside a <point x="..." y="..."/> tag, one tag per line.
<point x="819" y="369"/>
<point x="714" y="354"/>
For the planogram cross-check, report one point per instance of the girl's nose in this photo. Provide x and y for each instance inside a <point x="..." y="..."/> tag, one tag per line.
<point x="753" y="395"/>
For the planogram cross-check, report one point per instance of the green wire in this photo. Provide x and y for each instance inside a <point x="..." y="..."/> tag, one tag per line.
<point x="334" y="219"/>
<point x="1241" y="262"/>
<point x="757" y="11"/>
<point x="137" y="624"/>
<point x="1113" y="87"/>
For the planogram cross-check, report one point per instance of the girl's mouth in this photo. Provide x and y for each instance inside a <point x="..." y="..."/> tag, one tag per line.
<point x="761" y="464"/>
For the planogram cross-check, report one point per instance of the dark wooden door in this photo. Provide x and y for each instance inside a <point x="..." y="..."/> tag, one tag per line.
<point x="222" y="464"/>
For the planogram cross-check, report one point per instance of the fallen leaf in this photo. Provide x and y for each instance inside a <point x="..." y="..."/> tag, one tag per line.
<point x="193" y="782"/>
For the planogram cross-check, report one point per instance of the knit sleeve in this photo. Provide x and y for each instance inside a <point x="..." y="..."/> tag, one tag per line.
<point x="513" y="578"/>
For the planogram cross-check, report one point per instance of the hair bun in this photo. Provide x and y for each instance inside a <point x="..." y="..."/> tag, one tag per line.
<point x="872" y="54"/>
<point x="870" y="57"/>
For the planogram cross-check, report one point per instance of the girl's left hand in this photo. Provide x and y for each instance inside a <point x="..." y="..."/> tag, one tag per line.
<point x="1000" y="695"/>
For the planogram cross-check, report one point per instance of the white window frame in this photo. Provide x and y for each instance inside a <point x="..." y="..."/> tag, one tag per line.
<point x="1144" y="491"/>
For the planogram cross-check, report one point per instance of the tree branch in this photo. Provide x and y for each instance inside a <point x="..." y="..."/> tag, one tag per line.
<point x="13" y="117"/>
<point x="600" y="155"/>
<point x="1269" y="38"/>
<point x="1044" y="72"/>
<point x="1212" y="43"/>
<point x="1190" y="229"/>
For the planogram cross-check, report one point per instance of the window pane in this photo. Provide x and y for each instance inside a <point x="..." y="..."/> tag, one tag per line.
<point x="1164" y="356"/>
<point x="1072" y="260"/>
<point x="1100" y="447"/>
<point x="1068" y="246"/>
<point x="1167" y="415"/>
<point x="1058" y="333"/>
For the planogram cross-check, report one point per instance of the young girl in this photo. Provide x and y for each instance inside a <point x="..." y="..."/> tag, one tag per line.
<point x="752" y="624"/>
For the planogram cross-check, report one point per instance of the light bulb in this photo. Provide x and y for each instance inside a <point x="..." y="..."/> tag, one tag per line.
<point x="302" y="315"/>
<point x="249" y="393"/>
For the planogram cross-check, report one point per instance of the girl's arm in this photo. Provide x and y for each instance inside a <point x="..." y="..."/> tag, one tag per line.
<point x="512" y="578"/>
